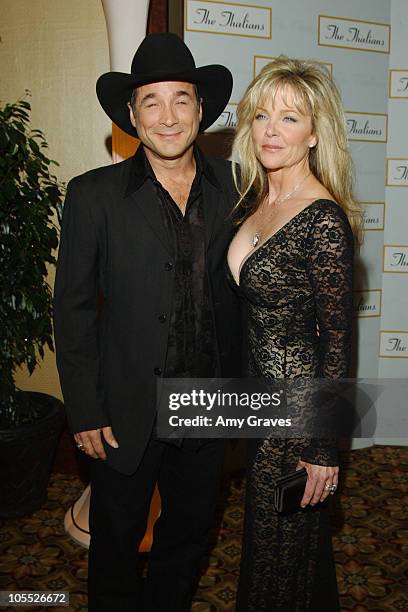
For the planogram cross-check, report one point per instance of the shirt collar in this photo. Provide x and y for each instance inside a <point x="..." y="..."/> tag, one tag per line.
<point x="140" y="170"/>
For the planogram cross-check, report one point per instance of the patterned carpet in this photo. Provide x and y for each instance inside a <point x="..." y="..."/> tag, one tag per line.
<point x="371" y="540"/>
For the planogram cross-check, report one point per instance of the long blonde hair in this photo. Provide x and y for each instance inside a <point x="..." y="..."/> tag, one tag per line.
<point x="315" y="93"/>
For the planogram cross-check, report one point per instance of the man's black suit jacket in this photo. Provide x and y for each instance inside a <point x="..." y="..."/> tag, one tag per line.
<point x="114" y="281"/>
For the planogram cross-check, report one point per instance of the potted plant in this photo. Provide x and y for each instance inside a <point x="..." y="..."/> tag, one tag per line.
<point x="30" y="423"/>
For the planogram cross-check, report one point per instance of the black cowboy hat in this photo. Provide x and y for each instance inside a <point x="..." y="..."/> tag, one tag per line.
<point x="164" y="57"/>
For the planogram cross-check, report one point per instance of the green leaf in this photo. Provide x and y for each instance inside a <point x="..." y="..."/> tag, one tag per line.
<point x="29" y="198"/>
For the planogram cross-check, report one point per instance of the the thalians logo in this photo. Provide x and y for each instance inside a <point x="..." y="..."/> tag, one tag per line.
<point x="227" y="121"/>
<point x="373" y="216"/>
<point x="396" y="258"/>
<point x="397" y="172"/>
<point x="398" y="84"/>
<point x="367" y="303"/>
<point x="228" y="18"/>
<point x="353" y="34"/>
<point x="366" y="127"/>
<point x="394" y="344"/>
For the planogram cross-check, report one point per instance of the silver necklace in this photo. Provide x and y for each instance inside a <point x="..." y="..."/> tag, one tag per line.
<point x="257" y="236"/>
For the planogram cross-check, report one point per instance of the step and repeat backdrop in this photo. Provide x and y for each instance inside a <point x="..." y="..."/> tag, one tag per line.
<point x="365" y="48"/>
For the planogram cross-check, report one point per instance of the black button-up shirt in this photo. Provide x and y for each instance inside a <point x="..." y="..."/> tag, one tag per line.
<point x="191" y="350"/>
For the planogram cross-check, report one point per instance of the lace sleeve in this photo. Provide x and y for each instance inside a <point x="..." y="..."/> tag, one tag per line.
<point x="330" y="270"/>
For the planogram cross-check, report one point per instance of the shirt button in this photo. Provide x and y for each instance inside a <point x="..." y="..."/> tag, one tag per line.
<point x="162" y="318"/>
<point x="158" y="371"/>
<point x="168" y="266"/>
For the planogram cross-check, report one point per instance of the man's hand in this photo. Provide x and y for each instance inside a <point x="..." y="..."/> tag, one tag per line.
<point x="319" y="481"/>
<point x="91" y="443"/>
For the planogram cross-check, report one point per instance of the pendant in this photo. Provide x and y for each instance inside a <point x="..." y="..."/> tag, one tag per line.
<point x="256" y="238"/>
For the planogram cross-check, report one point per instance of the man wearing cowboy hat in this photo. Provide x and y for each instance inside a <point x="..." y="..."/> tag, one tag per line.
<point x="147" y="237"/>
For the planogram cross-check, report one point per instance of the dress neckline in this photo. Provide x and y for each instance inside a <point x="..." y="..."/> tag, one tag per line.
<point x="267" y="240"/>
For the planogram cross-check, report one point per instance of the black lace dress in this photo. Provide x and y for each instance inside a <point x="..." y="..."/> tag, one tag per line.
<point x="298" y="290"/>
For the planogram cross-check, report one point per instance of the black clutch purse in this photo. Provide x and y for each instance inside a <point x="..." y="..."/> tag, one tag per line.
<point x="289" y="491"/>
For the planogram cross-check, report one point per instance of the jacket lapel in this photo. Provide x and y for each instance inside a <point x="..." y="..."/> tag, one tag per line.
<point x="212" y="208"/>
<point x="148" y="204"/>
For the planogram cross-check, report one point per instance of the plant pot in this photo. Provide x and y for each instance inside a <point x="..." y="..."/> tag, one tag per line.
<point x="26" y="458"/>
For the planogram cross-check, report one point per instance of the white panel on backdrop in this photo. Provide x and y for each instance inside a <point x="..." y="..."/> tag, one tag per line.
<point x="398" y="127"/>
<point x="394" y="311"/>
<point x="356" y="42"/>
<point x="393" y="344"/>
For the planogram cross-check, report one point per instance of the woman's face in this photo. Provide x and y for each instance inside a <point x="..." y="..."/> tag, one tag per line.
<point x="281" y="134"/>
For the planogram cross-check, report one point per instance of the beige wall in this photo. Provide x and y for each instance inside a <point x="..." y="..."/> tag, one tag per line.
<point x="57" y="49"/>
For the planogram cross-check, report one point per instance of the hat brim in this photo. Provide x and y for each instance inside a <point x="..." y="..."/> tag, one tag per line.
<point x="214" y="84"/>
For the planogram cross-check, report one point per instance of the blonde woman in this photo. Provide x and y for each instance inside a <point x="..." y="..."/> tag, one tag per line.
<point x="292" y="259"/>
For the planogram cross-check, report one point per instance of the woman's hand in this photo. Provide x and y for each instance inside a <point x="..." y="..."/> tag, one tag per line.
<point x="319" y="481"/>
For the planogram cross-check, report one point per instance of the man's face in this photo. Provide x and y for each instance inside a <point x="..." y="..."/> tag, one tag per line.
<point x="166" y="116"/>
